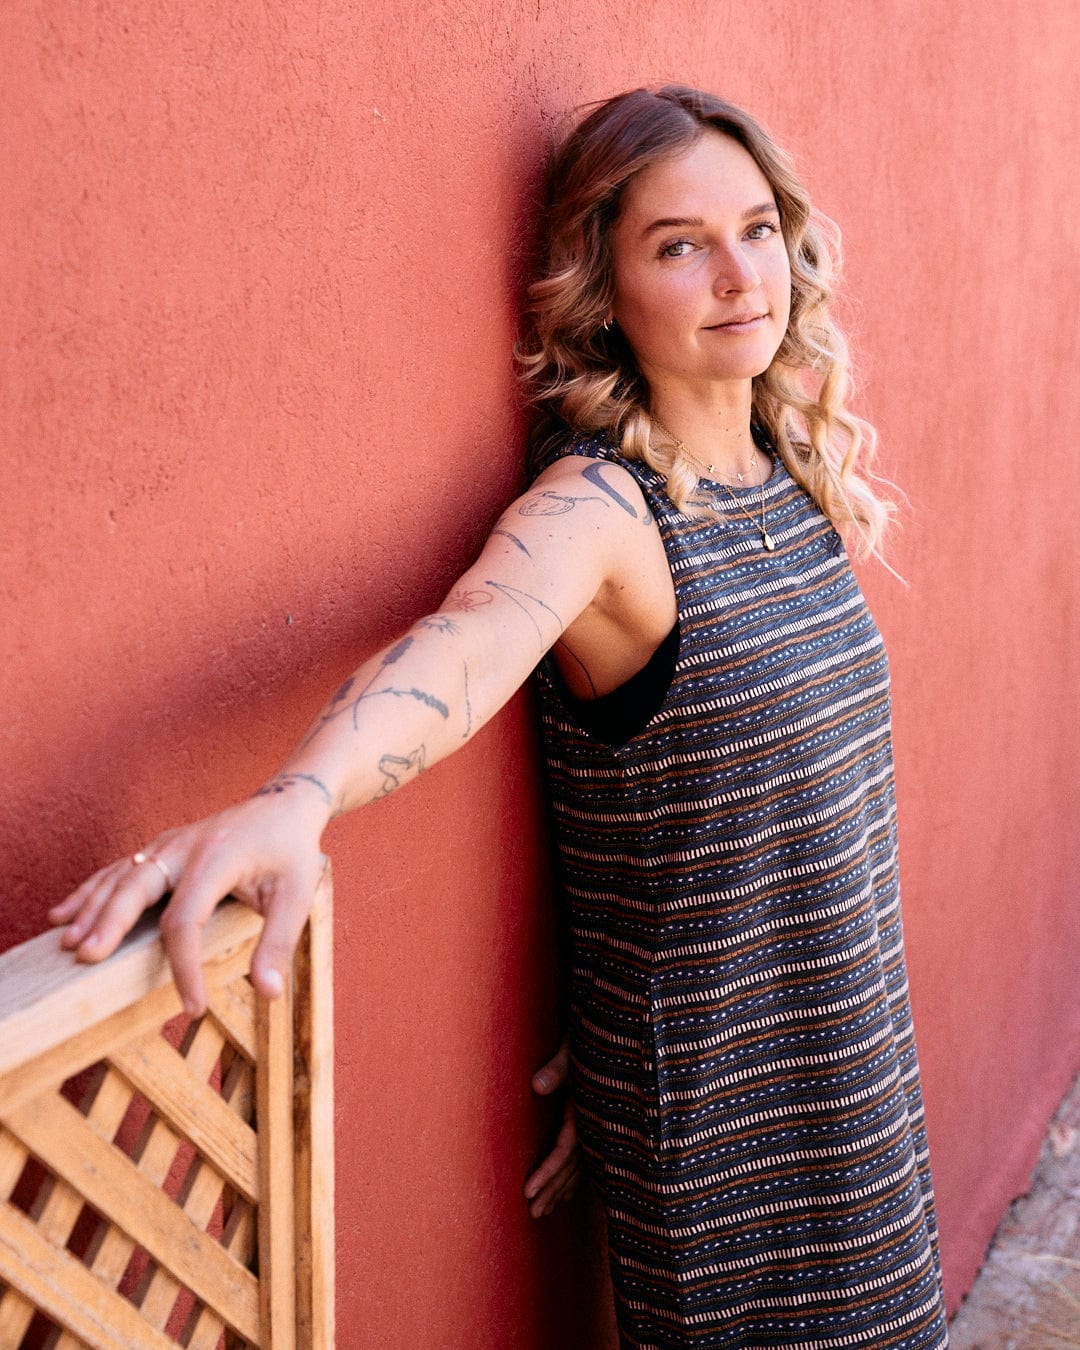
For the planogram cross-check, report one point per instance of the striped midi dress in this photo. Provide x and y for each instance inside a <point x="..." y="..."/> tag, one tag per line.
<point x="744" y="1067"/>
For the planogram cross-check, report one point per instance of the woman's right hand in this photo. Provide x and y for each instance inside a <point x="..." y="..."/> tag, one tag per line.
<point x="264" y="851"/>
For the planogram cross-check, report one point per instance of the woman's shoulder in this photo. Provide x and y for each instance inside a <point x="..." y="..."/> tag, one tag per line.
<point x="594" y="445"/>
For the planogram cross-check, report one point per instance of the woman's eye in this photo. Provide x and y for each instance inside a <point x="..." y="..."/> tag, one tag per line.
<point x="678" y="248"/>
<point x="763" y="229"/>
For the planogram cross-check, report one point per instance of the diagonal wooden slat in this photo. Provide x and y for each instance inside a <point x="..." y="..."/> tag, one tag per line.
<point x="193" y="1108"/>
<point x="12" y="1162"/>
<point x="55" y="1065"/>
<point x="111" y="1253"/>
<point x="58" y="1208"/>
<point x="201" y="1190"/>
<point x="57" y="1134"/>
<point x="238" y="1240"/>
<point x="238" y="1089"/>
<point x="200" y="1104"/>
<point x="16" y="1312"/>
<point x="65" y="1290"/>
<point x="233" y="1005"/>
<point x="46" y="998"/>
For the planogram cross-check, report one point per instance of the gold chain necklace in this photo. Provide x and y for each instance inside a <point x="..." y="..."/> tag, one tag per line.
<point x="766" y="538"/>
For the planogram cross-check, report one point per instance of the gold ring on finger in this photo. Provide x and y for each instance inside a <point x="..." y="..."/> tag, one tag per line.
<point x="139" y="858"/>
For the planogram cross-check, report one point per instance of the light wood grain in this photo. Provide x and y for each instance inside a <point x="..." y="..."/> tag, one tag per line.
<point x="192" y="1108"/>
<point x="277" y="1221"/>
<point x="57" y="1134"/>
<point x="66" y="1291"/>
<point x="46" y="996"/>
<point x="314" y="1032"/>
<point x="262" y="1130"/>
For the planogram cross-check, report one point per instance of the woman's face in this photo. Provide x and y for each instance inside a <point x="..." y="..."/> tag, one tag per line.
<point x="702" y="278"/>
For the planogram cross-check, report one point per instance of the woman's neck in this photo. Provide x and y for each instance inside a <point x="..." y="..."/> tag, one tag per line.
<point x="715" y="432"/>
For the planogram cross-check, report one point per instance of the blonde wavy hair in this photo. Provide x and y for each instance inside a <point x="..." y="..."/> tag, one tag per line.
<point x="582" y="378"/>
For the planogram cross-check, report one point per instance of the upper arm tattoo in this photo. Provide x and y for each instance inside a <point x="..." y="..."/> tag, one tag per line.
<point x="593" y="473"/>
<point x="514" y="540"/>
<point x="545" y="503"/>
<point x="512" y="594"/>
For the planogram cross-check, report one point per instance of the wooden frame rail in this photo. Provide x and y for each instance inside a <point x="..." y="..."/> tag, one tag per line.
<point x="167" y="1181"/>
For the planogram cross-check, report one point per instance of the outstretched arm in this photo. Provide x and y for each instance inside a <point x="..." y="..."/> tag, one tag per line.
<point x="552" y="554"/>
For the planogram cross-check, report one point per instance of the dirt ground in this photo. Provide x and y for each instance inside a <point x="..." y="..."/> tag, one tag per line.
<point x="1027" y="1296"/>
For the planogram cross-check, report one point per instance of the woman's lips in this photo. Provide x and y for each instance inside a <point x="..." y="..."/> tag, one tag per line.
<point x="745" y="323"/>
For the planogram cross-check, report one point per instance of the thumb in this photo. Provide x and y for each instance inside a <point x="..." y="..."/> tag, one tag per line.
<point x="553" y="1074"/>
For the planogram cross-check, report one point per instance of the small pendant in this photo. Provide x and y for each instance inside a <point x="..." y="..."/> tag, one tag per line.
<point x="768" y="541"/>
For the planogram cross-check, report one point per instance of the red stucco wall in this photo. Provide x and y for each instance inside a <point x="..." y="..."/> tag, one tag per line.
<point x="261" y="277"/>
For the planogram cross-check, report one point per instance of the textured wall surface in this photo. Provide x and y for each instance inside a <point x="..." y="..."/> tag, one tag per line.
<point x="261" y="271"/>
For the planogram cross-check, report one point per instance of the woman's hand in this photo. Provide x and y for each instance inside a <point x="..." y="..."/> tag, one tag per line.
<point x="264" y="851"/>
<point x="557" y="1176"/>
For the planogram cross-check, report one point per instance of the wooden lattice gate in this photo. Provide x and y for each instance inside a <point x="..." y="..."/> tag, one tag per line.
<point x="165" y="1181"/>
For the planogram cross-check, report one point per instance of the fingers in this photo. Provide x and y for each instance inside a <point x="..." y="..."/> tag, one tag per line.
<point x="557" y="1175"/>
<point x="286" y="910"/>
<point x="205" y="882"/>
<point x="553" y="1074"/>
<point x="106" y="906"/>
<point x="557" y="1188"/>
<point x="552" y="1196"/>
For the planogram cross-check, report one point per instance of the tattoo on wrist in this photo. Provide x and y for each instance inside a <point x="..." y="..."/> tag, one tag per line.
<point x="283" y="781"/>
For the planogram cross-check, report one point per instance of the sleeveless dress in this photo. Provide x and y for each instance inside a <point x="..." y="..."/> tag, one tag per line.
<point x="744" y="1067"/>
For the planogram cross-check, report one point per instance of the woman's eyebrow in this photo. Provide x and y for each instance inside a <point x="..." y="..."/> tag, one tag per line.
<point x="696" y="222"/>
<point x="673" y="222"/>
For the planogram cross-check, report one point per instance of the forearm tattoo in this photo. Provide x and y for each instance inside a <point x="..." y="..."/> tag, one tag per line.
<point x="349" y="697"/>
<point x="283" y="781"/>
<point x="396" y="769"/>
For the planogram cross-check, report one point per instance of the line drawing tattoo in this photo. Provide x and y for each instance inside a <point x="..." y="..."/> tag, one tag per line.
<point x="514" y="540"/>
<point x="347" y="700"/>
<point x="468" y="705"/>
<point x="421" y="697"/>
<point x="594" y="476"/>
<point x="441" y="623"/>
<point x="584" y="668"/>
<point x="547" y="503"/>
<point x="283" y="781"/>
<point x="396" y="768"/>
<point x="467" y="600"/>
<point x="512" y="593"/>
<point x="397" y="651"/>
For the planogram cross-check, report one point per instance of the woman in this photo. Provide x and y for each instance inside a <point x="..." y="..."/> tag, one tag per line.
<point x="716" y="717"/>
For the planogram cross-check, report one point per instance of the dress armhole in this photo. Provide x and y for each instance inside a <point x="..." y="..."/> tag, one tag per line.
<point x="616" y="717"/>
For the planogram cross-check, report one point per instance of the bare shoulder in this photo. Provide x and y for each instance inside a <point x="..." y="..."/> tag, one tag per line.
<point x="577" y="482"/>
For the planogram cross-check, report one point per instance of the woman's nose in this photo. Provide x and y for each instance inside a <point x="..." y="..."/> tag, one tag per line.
<point x="736" y="272"/>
